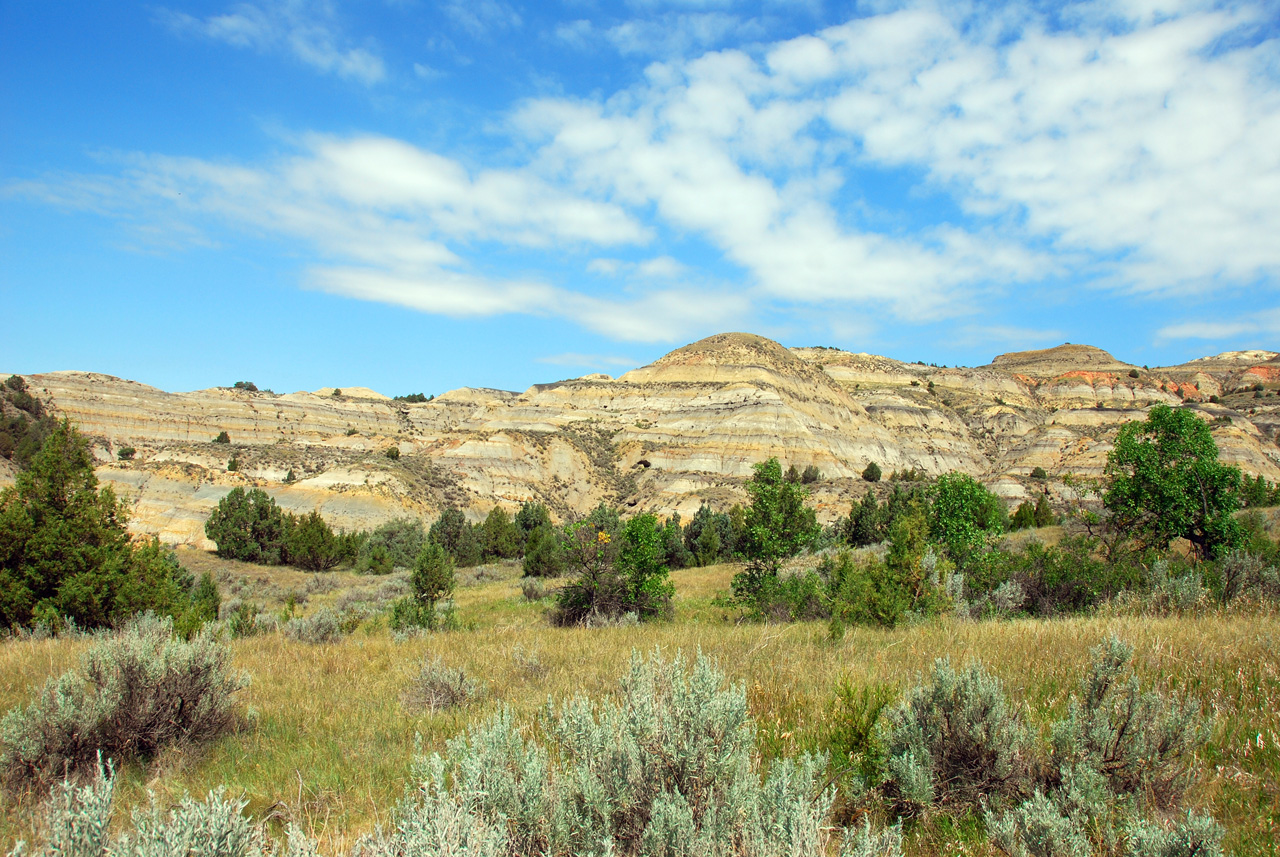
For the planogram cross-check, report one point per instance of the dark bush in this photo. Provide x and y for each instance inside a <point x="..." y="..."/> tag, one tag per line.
<point x="393" y="453"/>
<point x="1044" y="516"/>
<point x="65" y="552"/>
<point x="248" y="526"/>
<point x="1024" y="517"/>
<point x="499" y="536"/>
<point x="126" y="453"/>
<point x="865" y="524"/>
<point x="710" y="536"/>
<point x="1038" y="472"/>
<point x="311" y="543"/>
<point x="544" y="555"/>
<point x="1067" y="578"/>
<point x="871" y="472"/>
<point x="1133" y="373"/>
<point x="222" y="437"/>
<point x="395" y="544"/>
<point x="247" y="386"/>
<point x="810" y="475"/>
<point x="453" y="533"/>
<point x="134" y="694"/>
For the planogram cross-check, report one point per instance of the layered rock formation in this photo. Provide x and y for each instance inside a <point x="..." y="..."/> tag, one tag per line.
<point x="664" y="437"/>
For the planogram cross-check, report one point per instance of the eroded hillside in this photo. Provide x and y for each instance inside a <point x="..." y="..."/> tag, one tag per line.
<point x="664" y="437"/>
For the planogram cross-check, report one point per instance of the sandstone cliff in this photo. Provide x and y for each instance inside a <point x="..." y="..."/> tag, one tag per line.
<point x="664" y="437"/>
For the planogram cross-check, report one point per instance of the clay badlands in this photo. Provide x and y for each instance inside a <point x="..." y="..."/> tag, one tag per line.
<point x="665" y="437"/>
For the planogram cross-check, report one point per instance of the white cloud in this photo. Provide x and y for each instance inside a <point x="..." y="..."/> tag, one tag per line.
<point x="577" y="34"/>
<point x="677" y="34"/>
<point x="1000" y="337"/>
<point x="483" y="18"/>
<point x="307" y="31"/>
<point x="1155" y="145"/>
<point x="589" y="360"/>
<point x="1261" y="323"/>
<point x="663" y="267"/>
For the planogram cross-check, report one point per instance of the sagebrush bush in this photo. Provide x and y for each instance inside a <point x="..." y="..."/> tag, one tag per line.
<point x="1197" y="836"/>
<point x="438" y="688"/>
<point x="865" y="842"/>
<point x="1142" y="744"/>
<point x="322" y="626"/>
<point x="1037" y="828"/>
<point x="78" y="816"/>
<point x="955" y="741"/>
<point x="668" y="768"/>
<point x="1119" y="753"/>
<point x="1240" y="573"/>
<point x="135" y="693"/>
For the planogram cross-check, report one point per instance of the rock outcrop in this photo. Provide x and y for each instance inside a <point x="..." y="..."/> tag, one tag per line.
<point x="665" y="437"/>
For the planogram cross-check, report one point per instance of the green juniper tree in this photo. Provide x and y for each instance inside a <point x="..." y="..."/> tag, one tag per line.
<point x="65" y="552"/>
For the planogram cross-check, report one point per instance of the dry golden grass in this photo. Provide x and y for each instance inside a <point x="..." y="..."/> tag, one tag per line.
<point x="330" y="743"/>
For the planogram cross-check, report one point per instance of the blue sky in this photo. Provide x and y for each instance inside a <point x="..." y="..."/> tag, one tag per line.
<point x="416" y="196"/>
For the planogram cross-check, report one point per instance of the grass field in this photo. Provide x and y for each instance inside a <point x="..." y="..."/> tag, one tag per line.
<point x="328" y="740"/>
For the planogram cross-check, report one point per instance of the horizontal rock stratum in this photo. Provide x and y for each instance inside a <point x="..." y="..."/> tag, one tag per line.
<point x="665" y="437"/>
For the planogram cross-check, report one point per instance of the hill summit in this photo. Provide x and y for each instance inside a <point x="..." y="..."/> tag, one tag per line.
<point x="1048" y="362"/>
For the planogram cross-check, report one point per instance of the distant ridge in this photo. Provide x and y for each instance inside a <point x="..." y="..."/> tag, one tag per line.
<point x="665" y="438"/>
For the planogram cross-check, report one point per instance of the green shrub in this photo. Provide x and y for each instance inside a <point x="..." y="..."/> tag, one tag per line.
<point x="393" y="453"/>
<point x="222" y="437"/>
<point x="543" y="553"/>
<point x="778" y="526"/>
<point x="65" y="552"/>
<point x="126" y="453"/>
<point x="248" y="526"/>
<point x="1038" y="472"/>
<point x="871" y="472"/>
<point x="311" y="543"/>
<point x="810" y="474"/>
<point x="964" y="516"/>
<point x="954" y="741"/>
<point x="134" y="694"/>
<point x="615" y="576"/>
<point x="1024" y="517"/>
